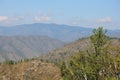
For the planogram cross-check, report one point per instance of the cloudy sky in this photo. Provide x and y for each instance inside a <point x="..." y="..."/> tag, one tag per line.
<point x="85" y="13"/>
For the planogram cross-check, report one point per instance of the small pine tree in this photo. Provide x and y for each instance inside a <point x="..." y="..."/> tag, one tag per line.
<point x="99" y="40"/>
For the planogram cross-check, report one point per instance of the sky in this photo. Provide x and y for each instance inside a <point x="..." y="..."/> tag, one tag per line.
<point x="84" y="13"/>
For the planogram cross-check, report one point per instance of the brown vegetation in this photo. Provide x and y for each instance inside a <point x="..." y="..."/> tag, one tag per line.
<point x="30" y="70"/>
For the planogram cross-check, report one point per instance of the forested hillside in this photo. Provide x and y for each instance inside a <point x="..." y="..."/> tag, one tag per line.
<point x="93" y="58"/>
<point x="21" y="47"/>
<point x="71" y="49"/>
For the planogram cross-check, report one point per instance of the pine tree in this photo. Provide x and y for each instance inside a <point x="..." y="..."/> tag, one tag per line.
<point x="99" y="40"/>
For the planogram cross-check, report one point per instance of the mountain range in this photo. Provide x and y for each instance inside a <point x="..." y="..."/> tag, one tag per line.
<point x="64" y="33"/>
<point x="47" y="67"/>
<point x="31" y="40"/>
<point x="21" y="47"/>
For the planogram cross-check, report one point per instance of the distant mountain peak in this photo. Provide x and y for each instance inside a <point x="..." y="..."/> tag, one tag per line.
<point x="61" y="32"/>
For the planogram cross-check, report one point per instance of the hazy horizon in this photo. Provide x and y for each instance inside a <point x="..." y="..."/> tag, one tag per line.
<point x="90" y="14"/>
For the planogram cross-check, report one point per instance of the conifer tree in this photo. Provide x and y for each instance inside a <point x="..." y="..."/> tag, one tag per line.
<point x="99" y="40"/>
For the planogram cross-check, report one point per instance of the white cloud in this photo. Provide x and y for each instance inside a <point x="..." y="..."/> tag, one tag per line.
<point x="11" y="19"/>
<point x="3" y="18"/>
<point x="42" y="18"/>
<point x="18" y="18"/>
<point x="104" y="20"/>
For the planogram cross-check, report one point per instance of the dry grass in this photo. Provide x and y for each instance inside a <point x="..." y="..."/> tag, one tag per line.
<point x="31" y="70"/>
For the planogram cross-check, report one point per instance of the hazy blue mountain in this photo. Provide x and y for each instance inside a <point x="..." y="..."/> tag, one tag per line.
<point x="19" y="47"/>
<point x="62" y="32"/>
